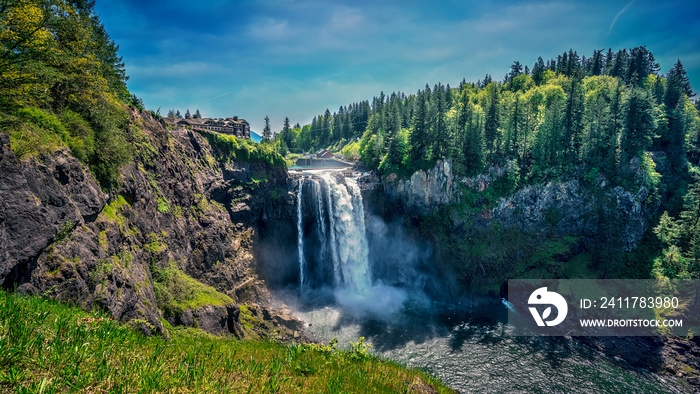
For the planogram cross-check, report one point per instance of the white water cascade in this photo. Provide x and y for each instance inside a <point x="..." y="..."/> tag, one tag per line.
<point x="338" y="252"/>
<point x="348" y="240"/>
<point x="300" y="235"/>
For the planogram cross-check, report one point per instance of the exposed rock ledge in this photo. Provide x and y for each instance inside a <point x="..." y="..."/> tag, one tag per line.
<point x="565" y="206"/>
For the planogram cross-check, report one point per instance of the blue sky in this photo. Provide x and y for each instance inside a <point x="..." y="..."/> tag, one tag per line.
<point x="297" y="58"/>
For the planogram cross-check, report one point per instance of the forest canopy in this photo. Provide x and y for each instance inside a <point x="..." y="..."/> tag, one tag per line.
<point x="566" y="114"/>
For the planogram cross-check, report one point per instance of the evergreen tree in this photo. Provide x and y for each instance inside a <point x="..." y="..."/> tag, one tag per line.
<point x="639" y="124"/>
<point x="419" y="142"/>
<point x="440" y="135"/>
<point x="267" y="132"/>
<point x="597" y="63"/>
<point x="473" y="147"/>
<point x="677" y="85"/>
<point x="515" y="119"/>
<point x="641" y="64"/>
<point x="537" y="70"/>
<point x="396" y="150"/>
<point x="197" y="114"/>
<point x="573" y="120"/>
<point x="492" y="120"/>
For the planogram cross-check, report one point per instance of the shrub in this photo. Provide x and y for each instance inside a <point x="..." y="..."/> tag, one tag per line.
<point x="228" y="148"/>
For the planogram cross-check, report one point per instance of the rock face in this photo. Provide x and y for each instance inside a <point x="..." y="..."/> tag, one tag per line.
<point x="42" y="201"/>
<point x="565" y="207"/>
<point x="570" y="209"/>
<point x="213" y="319"/>
<point x="425" y="191"/>
<point x="178" y="207"/>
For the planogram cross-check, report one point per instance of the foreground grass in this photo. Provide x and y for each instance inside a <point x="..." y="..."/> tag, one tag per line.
<point x="47" y="347"/>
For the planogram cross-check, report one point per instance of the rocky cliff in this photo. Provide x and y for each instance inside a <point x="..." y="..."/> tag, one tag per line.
<point x="564" y="207"/>
<point x="181" y="238"/>
<point x="424" y="191"/>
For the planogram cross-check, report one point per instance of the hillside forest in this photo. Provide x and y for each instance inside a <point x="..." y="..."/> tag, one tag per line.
<point x="587" y="118"/>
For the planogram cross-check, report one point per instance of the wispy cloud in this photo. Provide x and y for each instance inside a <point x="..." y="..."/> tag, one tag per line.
<point x="214" y="98"/>
<point x="625" y="8"/>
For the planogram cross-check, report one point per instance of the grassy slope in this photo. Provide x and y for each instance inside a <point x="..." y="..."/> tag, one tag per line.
<point x="50" y="347"/>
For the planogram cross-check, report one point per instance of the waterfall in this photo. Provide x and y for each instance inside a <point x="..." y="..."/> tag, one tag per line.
<point x="320" y="221"/>
<point x="351" y="256"/>
<point x="338" y="250"/>
<point x="331" y="219"/>
<point x="300" y="235"/>
<point x="340" y="205"/>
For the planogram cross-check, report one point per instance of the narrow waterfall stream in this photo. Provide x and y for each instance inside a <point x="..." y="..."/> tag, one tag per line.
<point x="300" y="236"/>
<point x="468" y="345"/>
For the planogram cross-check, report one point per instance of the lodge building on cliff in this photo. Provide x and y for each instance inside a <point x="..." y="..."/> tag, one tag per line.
<point x="231" y="126"/>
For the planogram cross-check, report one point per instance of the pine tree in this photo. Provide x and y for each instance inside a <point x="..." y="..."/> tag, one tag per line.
<point x="677" y="85"/>
<point x="419" y="133"/>
<point x="639" y="124"/>
<point x="597" y="66"/>
<point x="396" y="149"/>
<point x="440" y="135"/>
<point x="537" y="70"/>
<point x="573" y="120"/>
<point x="267" y="132"/>
<point x="473" y="147"/>
<point x="197" y="114"/>
<point x="492" y="120"/>
<point x="512" y="143"/>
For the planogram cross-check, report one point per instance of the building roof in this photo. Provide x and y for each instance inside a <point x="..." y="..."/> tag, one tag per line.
<point x="230" y="122"/>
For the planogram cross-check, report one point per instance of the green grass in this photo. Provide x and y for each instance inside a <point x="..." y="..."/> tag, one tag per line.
<point x="49" y="347"/>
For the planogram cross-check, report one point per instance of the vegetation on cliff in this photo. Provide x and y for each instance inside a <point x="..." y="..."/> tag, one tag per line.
<point x="63" y="84"/>
<point x="49" y="347"/>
